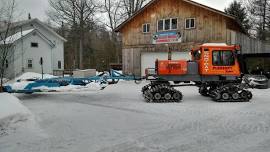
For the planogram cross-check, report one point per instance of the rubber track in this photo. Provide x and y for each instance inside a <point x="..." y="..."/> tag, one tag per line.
<point x="216" y="94"/>
<point x="149" y="93"/>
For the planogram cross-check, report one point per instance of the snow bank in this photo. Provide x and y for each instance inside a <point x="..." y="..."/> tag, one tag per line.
<point x="20" y="85"/>
<point x="32" y="75"/>
<point x="73" y="88"/>
<point x="11" y="110"/>
<point x="27" y="78"/>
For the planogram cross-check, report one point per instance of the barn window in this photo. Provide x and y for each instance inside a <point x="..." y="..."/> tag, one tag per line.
<point x="174" y="23"/>
<point x="30" y="63"/>
<point x="33" y="44"/>
<point x="59" y="65"/>
<point x="160" y="25"/>
<point x="167" y="24"/>
<point x="190" y="23"/>
<point x="146" y="28"/>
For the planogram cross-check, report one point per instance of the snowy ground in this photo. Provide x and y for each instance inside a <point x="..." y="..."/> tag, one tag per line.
<point x="117" y="119"/>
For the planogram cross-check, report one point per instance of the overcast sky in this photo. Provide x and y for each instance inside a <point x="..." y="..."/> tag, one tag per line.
<point x="37" y="8"/>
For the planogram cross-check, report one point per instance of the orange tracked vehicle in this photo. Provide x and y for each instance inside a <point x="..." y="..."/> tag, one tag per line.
<point x="215" y="68"/>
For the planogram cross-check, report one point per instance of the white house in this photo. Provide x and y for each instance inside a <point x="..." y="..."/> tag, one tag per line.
<point x="32" y="41"/>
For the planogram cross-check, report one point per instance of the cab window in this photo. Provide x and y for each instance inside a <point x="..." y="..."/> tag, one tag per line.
<point x="223" y="58"/>
<point x="196" y="54"/>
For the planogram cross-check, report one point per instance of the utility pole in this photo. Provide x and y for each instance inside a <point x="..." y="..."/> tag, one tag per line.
<point x="22" y="50"/>
<point x="41" y="63"/>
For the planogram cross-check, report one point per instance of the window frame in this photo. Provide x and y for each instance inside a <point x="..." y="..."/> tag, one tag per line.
<point x="221" y="55"/>
<point x="170" y="26"/>
<point x="189" y="19"/>
<point x="147" y="30"/>
<point x="32" y="65"/>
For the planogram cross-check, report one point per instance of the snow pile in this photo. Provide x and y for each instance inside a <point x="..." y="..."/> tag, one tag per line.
<point x="11" y="110"/>
<point x="20" y="85"/>
<point x="32" y="75"/>
<point x="27" y="78"/>
<point x="73" y="88"/>
<point x="22" y="81"/>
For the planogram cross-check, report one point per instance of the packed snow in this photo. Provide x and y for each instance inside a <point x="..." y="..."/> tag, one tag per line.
<point x="33" y="75"/>
<point x="25" y="79"/>
<point x="117" y="119"/>
<point x="15" y="116"/>
<point x="11" y="110"/>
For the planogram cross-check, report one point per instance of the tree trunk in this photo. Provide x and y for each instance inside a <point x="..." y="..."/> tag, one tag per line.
<point x="264" y="19"/>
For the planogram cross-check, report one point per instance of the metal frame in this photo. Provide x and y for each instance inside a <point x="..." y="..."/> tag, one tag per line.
<point x="111" y="77"/>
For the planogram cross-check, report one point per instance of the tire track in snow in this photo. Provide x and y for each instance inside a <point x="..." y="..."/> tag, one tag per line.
<point x="95" y="102"/>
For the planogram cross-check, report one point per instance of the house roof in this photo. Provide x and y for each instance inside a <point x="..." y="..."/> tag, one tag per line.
<point x="26" y="22"/>
<point x="20" y="35"/>
<point x="13" y="38"/>
<point x="117" y="29"/>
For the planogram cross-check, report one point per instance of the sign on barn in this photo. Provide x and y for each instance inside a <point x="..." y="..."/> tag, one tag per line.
<point x="167" y="37"/>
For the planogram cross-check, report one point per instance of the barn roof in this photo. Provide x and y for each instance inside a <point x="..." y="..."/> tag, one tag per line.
<point x="117" y="29"/>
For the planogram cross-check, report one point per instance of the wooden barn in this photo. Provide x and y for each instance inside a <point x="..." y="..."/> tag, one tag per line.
<point x="178" y="25"/>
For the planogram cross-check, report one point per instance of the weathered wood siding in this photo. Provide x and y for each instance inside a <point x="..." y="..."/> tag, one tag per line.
<point x="249" y="45"/>
<point x="210" y="26"/>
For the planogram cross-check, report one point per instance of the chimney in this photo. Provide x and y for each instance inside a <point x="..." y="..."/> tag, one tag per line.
<point x="29" y="16"/>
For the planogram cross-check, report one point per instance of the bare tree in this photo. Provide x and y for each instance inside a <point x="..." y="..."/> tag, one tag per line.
<point x="259" y="11"/>
<point x="132" y="6"/>
<point x="113" y="11"/>
<point x="76" y="13"/>
<point x="7" y="9"/>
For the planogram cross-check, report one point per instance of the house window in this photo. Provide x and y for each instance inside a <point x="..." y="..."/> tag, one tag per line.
<point x="6" y="64"/>
<point x="33" y="44"/>
<point x="146" y="28"/>
<point x="190" y="23"/>
<point x="59" y="65"/>
<point x="167" y="24"/>
<point x="29" y="63"/>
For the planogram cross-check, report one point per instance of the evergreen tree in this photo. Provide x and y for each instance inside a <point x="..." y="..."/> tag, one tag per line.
<point x="239" y="11"/>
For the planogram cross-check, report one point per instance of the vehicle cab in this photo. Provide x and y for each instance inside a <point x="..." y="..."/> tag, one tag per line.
<point x="217" y="59"/>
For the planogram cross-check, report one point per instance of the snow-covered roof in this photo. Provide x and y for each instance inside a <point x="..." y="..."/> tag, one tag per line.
<point x="214" y="44"/>
<point x="17" y="36"/>
<point x="13" y="38"/>
<point x="19" y="24"/>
